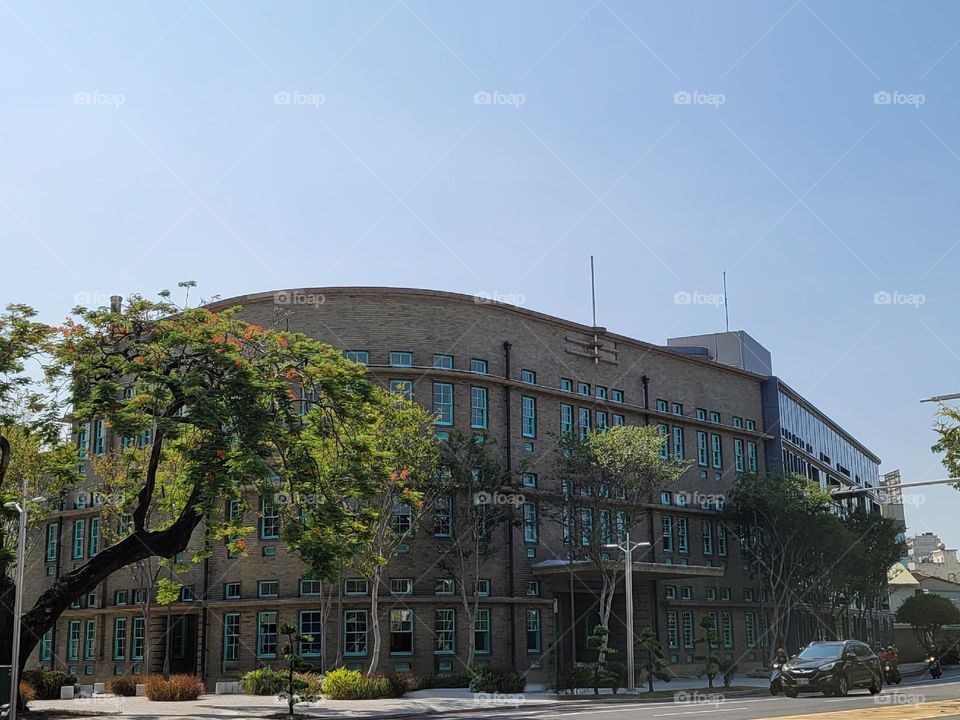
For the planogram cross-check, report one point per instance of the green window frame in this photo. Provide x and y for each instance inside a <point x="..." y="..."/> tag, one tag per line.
<point x="726" y="628"/>
<point x="666" y="532"/>
<point x="601" y="420"/>
<point x="678" y="443"/>
<point x="403" y="388"/>
<point x="231" y="636"/>
<point x="533" y="631"/>
<point x="119" y="638"/>
<point x="566" y="384"/>
<point x="269" y="521"/>
<point x="721" y="539"/>
<point x="482" y="631"/>
<point x="707" y="527"/>
<point x="83" y="445"/>
<point x="231" y="591"/>
<point x="583" y="421"/>
<point x="89" y="639"/>
<point x="79" y="537"/>
<point x="664" y="431"/>
<point x="401" y="631"/>
<point x="443" y="362"/>
<point x="358" y="356"/>
<point x="98" y="437"/>
<point x="52" y="530"/>
<point x="137" y="638"/>
<point x="528" y="377"/>
<point x="268" y="588"/>
<point x="442" y="517"/>
<point x="94" y="546"/>
<point x="752" y="456"/>
<point x="716" y="449"/>
<point x="311" y="624"/>
<point x="401" y="359"/>
<point x="478" y="366"/>
<point x="531" y="523"/>
<point x="616" y="395"/>
<point x="46" y="645"/>
<point x="673" y="637"/>
<point x="73" y="640"/>
<point x="355" y="631"/>
<point x="738" y="454"/>
<point x="683" y="537"/>
<point x="750" y="626"/>
<point x="445" y="631"/>
<point x="528" y="414"/>
<point x="703" y="458"/>
<point x="267" y="634"/>
<point x="478" y="407"/>
<point x="687" y="621"/>
<point x="443" y="403"/>
<point x="566" y="419"/>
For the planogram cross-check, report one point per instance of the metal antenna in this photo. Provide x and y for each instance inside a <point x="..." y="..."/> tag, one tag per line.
<point x="593" y="292"/>
<point x="726" y="310"/>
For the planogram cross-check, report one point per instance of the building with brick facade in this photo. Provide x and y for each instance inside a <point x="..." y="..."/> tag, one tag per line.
<point x="522" y="376"/>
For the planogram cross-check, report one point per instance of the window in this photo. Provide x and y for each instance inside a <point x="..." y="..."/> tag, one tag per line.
<point x="52" y="530"/>
<point x="677" y="409"/>
<point x="266" y="634"/>
<point x="711" y="593"/>
<point x="665" y="448"/>
<point x="670" y="592"/>
<point x="681" y="499"/>
<point x="401" y="586"/>
<point x="707" y="537"/>
<point x="748" y="594"/>
<point x="616" y="395"/>
<point x="89" y="639"/>
<point x="186" y="593"/>
<point x="678" y="443"/>
<point x="601" y="420"/>
<point x="478" y="407"/>
<point x="46" y="645"/>
<point x="702" y="459"/>
<point x="726" y="629"/>
<point x="752" y="456"/>
<point x="478" y="366"/>
<point x="566" y="384"/>
<point x="531" y="525"/>
<point x="78" y="538"/>
<point x="269" y="521"/>
<point x="566" y="419"/>
<point x="683" y="543"/>
<point x="401" y="359"/>
<point x="586" y="526"/>
<point x="355" y="632"/>
<point x="444" y="362"/>
<point x="73" y="640"/>
<point x="721" y="540"/>
<point x="119" y="638"/>
<point x="584" y="421"/>
<point x="686" y="592"/>
<point x="268" y="588"/>
<point x="533" y="631"/>
<point x="737" y="422"/>
<point x="483" y="588"/>
<point x="231" y="636"/>
<point x="311" y="624"/>
<point x="83" y="442"/>
<point x="442" y="518"/>
<point x="738" y="453"/>
<point x="137" y="638"/>
<point x="662" y="406"/>
<point x="358" y="356"/>
<point x="716" y="451"/>
<point x="529" y="480"/>
<point x="750" y="625"/>
<point x="666" y="497"/>
<point x="583" y="388"/>
<point x="401" y="631"/>
<point x="98" y="437"/>
<point x="725" y="593"/>
<point x="445" y="586"/>
<point x="687" y="617"/>
<point x="528" y="376"/>
<point x="672" y="637"/>
<point x="529" y="416"/>
<point x="714" y="417"/>
<point x="403" y="388"/>
<point x="445" y="631"/>
<point x="701" y="414"/>
<point x="752" y="425"/>
<point x="666" y="528"/>
<point x="443" y="403"/>
<point x="231" y="591"/>
<point x="618" y="420"/>
<point x="601" y="392"/>
<point x="355" y="586"/>
<point x="481" y="631"/>
<point x="533" y="588"/>
<point x="120" y="597"/>
<point x="94" y="536"/>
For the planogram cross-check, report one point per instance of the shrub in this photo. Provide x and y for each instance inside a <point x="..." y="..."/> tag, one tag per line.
<point x="307" y="683"/>
<point x="344" y="684"/>
<point x="175" y="689"/>
<point x="28" y="693"/>
<point x="485" y="680"/>
<point x="47" y="683"/>
<point x="125" y="685"/>
<point x="446" y="680"/>
<point x="264" y="681"/>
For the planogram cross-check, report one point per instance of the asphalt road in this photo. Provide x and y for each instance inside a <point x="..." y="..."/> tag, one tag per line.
<point x="911" y="700"/>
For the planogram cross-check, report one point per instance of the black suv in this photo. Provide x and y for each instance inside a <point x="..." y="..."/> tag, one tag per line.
<point x="833" y="668"/>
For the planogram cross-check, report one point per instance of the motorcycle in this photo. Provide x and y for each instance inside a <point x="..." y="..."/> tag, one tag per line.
<point x="934" y="667"/>
<point x="776" y="683"/>
<point x="891" y="673"/>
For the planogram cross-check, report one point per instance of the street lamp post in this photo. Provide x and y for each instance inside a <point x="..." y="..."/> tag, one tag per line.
<point x="628" y="549"/>
<point x="21" y="508"/>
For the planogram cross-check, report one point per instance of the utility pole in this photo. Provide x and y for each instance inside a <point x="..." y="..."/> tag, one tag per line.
<point x="628" y="549"/>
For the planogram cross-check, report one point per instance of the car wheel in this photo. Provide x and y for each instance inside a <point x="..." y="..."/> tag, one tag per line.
<point x="790" y="693"/>
<point x="843" y="687"/>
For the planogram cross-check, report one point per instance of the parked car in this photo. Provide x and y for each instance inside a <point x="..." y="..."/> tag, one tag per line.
<point x="833" y="668"/>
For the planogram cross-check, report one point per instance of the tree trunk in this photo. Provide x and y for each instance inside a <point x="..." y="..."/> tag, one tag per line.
<point x="375" y="620"/>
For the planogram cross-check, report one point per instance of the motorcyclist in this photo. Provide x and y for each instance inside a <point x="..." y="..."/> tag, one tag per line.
<point x="780" y="658"/>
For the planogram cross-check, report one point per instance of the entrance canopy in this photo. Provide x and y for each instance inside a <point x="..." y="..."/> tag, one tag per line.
<point x="586" y="570"/>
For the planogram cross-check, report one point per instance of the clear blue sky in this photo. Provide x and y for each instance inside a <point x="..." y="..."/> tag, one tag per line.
<point x="146" y="143"/>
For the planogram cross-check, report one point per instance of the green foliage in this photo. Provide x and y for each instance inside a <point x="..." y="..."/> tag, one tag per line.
<point x="710" y="641"/>
<point x="168" y="591"/>
<point x="263" y="681"/>
<point x="487" y="680"/>
<point x="344" y="684"/>
<point x="444" y="680"/>
<point x="605" y="674"/>
<point x="926" y="614"/>
<point x="176" y="688"/>
<point x="47" y="683"/>
<point x="653" y="660"/>
<point x="295" y="688"/>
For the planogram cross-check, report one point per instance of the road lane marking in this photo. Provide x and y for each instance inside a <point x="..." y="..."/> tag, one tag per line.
<point x="923" y="711"/>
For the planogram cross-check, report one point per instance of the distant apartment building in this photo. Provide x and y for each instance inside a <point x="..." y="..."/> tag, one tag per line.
<point x="526" y="378"/>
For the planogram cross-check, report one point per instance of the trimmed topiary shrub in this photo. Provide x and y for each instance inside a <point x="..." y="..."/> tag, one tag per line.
<point x="47" y="683"/>
<point x="344" y="684"/>
<point x="125" y="685"/>
<point x="177" y="688"/>
<point x="28" y="693"/>
<point x="264" y="681"/>
<point x="485" y="680"/>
